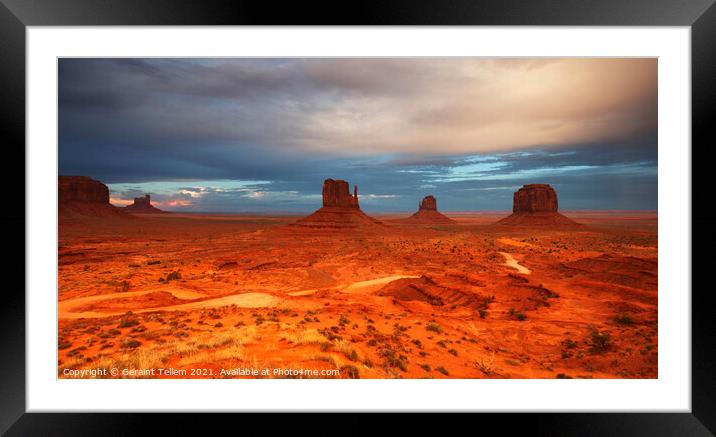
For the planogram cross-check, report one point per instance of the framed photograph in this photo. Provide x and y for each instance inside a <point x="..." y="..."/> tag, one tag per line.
<point x="469" y="207"/>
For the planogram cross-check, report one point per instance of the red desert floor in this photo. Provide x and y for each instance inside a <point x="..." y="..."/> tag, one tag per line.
<point x="200" y="293"/>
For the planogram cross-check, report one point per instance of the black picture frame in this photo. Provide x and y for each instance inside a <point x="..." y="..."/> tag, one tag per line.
<point x="16" y="15"/>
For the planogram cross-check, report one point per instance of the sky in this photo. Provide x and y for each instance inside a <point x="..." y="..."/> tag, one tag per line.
<point x="261" y="134"/>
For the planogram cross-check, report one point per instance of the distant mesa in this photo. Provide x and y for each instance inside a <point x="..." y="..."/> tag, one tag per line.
<point x="85" y="197"/>
<point x="428" y="213"/>
<point x="535" y="205"/>
<point x="143" y="205"/>
<point x="340" y="210"/>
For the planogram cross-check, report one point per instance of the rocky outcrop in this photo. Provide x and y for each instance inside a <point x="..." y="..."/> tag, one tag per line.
<point x="143" y="205"/>
<point x="340" y="210"/>
<point x="536" y="205"/>
<point x="427" y="214"/>
<point x="82" y="197"/>
<point x="81" y="189"/>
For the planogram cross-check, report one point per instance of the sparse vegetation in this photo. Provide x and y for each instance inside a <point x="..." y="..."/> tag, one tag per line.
<point x="305" y="336"/>
<point x="351" y="371"/>
<point x="623" y="320"/>
<point x="599" y="342"/>
<point x="569" y="343"/>
<point x="391" y="359"/>
<point x="173" y="276"/>
<point x="434" y="327"/>
<point x="487" y="365"/>
<point x="517" y="315"/>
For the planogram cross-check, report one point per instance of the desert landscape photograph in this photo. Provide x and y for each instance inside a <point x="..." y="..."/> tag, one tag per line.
<point x="357" y="218"/>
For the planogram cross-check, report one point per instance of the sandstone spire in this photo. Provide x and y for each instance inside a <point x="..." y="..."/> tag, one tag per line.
<point x="340" y="209"/>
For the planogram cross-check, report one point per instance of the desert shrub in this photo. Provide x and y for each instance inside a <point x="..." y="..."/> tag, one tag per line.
<point x="569" y="343"/>
<point x="599" y="342"/>
<point x="418" y="343"/>
<point x="483" y="313"/>
<point x="343" y="320"/>
<point x="127" y="322"/>
<point x="392" y="360"/>
<point x="353" y="356"/>
<point x="563" y="376"/>
<point x="129" y="343"/>
<point x="517" y="315"/>
<point x="487" y="365"/>
<point x="452" y="351"/>
<point x="64" y="344"/>
<point x="400" y="328"/>
<point x="442" y="370"/>
<point x="173" y="276"/>
<point x="426" y="367"/>
<point x="434" y="327"/>
<point x="623" y="320"/>
<point x="351" y="371"/>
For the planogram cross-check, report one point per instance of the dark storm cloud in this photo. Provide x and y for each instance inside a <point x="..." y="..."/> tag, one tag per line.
<point x="467" y="130"/>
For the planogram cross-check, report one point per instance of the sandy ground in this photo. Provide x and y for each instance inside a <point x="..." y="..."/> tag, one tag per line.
<point x="207" y="294"/>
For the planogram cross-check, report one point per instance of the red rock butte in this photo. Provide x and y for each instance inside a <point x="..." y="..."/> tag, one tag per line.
<point x="535" y="205"/>
<point x="428" y="213"/>
<point x="84" y="196"/>
<point x="143" y="205"/>
<point x="340" y="210"/>
<point x="81" y="189"/>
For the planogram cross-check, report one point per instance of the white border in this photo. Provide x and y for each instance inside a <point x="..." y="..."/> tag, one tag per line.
<point x="670" y="392"/>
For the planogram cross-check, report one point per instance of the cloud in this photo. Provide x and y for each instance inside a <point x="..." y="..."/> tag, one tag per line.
<point x="181" y="128"/>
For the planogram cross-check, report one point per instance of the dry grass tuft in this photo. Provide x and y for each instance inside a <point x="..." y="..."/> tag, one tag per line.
<point x="306" y="336"/>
